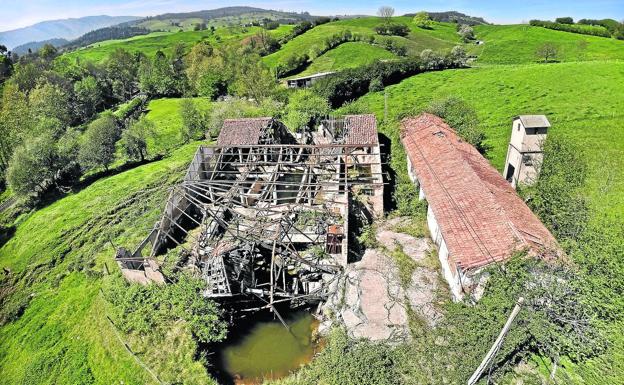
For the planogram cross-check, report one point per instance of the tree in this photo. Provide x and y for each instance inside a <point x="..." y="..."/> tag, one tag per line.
<point x="98" y="145"/>
<point x="15" y="121"/>
<point x="305" y="109"/>
<point x="157" y="76"/>
<point x="253" y="79"/>
<point x="121" y="72"/>
<point x="466" y="32"/>
<point x="430" y="59"/>
<point x="88" y="97"/>
<point x="134" y="138"/>
<point x="48" y="52"/>
<point x="457" y="57"/>
<point x="564" y="20"/>
<point x="386" y="13"/>
<point x="548" y="52"/>
<point x="422" y="20"/>
<point x="193" y="121"/>
<point x="49" y="100"/>
<point x="33" y="166"/>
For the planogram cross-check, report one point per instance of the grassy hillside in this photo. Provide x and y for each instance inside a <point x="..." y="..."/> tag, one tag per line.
<point x="514" y="44"/>
<point x="348" y="55"/>
<point x="165" y="115"/>
<point x="442" y="36"/>
<point x="165" y="41"/>
<point x="579" y="99"/>
<point x="220" y="17"/>
<point x="58" y="253"/>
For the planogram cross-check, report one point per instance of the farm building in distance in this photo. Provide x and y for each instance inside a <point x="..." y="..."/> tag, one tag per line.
<point x="524" y="154"/>
<point x="265" y="216"/>
<point x="306" y="81"/>
<point x="474" y="215"/>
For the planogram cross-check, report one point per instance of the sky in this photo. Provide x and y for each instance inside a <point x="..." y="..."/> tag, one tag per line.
<point x="21" y="13"/>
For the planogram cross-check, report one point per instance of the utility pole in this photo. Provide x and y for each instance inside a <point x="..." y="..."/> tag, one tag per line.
<point x="497" y="344"/>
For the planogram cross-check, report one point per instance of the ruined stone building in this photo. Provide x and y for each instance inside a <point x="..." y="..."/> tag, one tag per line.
<point x="474" y="215"/>
<point x="263" y="216"/>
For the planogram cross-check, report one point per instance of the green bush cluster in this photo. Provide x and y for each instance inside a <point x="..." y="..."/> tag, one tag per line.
<point x="574" y="28"/>
<point x="392" y="29"/>
<point x="154" y="308"/>
<point x="353" y="83"/>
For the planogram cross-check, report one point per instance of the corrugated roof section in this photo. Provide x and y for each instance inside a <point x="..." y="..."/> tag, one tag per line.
<point x="246" y="131"/>
<point x="481" y="217"/>
<point x="361" y="129"/>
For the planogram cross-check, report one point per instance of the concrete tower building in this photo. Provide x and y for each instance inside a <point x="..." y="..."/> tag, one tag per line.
<point x="525" y="155"/>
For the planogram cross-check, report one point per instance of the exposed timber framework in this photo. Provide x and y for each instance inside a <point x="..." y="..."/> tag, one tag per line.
<point x="267" y="222"/>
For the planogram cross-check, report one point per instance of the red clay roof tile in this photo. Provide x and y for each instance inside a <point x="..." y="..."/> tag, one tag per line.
<point x="481" y="217"/>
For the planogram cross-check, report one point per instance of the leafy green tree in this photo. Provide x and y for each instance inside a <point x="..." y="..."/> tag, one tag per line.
<point x="88" y="96"/>
<point x="564" y="20"/>
<point x="51" y="101"/>
<point x="305" y="109"/>
<point x="548" y="52"/>
<point x="15" y="121"/>
<point x="422" y="20"/>
<point x="98" y="145"/>
<point x="158" y="77"/>
<point x="33" y="166"/>
<point x="253" y="79"/>
<point x="134" y="138"/>
<point x="205" y="71"/>
<point x="26" y="76"/>
<point x="193" y="121"/>
<point x="121" y="72"/>
<point x="48" y="52"/>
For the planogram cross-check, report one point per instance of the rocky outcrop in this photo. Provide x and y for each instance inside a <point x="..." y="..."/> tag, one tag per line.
<point x="369" y="299"/>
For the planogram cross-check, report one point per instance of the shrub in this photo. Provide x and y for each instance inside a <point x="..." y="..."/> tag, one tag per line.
<point x="462" y="117"/>
<point x="392" y="29"/>
<point x="154" y="308"/>
<point x="348" y="361"/>
<point x="376" y="85"/>
<point x="557" y="196"/>
<point x="574" y="28"/>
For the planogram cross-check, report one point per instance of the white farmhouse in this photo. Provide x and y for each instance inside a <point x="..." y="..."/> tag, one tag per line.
<point x="474" y="215"/>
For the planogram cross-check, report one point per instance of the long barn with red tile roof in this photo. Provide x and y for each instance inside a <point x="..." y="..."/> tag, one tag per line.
<point x="475" y="216"/>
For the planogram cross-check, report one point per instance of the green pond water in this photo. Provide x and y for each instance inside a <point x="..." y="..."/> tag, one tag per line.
<point x="270" y="351"/>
